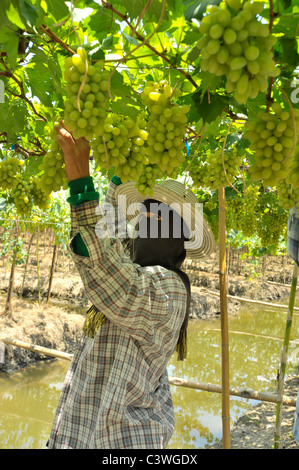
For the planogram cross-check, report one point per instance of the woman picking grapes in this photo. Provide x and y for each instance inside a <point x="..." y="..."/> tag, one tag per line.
<point x="116" y="394"/>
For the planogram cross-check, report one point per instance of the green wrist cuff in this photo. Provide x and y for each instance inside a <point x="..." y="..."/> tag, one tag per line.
<point x="81" y="185"/>
<point x="82" y="190"/>
<point x="116" y="180"/>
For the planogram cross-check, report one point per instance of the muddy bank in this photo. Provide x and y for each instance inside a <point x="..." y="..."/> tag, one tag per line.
<point x="50" y="327"/>
<point x="255" y="429"/>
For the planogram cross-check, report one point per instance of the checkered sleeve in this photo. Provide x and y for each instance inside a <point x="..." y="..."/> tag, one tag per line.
<point x="132" y="297"/>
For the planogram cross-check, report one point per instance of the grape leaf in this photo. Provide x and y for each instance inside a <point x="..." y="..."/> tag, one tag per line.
<point x="9" y="43"/>
<point x="13" y="14"/>
<point x="58" y="9"/>
<point x="102" y="20"/>
<point x="289" y="54"/>
<point x="33" y="15"/>
<point x="197" y="8"/>
<point x="287" y="25"/>
<point x="13" y="117"/>
<point x="208" y="107"/>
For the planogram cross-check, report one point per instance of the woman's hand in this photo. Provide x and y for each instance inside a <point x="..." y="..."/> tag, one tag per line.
<point x="76" y="153"/>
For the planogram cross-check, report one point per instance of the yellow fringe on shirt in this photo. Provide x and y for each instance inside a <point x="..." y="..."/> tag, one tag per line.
<point x="94" y="320"/>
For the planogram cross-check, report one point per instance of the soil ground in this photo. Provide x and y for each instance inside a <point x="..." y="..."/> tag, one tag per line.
<point x="58" y="325"/>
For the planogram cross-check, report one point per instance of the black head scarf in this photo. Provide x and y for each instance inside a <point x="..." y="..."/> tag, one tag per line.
<point x="160" y="237"/>
<point x="158" y="240"/>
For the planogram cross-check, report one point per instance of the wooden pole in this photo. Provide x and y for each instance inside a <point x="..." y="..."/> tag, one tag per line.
<point x="26" y="262"/>
<point x="52" y="272"/>
<point x="284" y="359"/>
<point x="224" y="322"/>
<point x="37" y="265"/>
<point x="242" y="299"/>
<point x="176" y="381"/>
<point x="38" y="349"/>
<point x="7" y="309"/>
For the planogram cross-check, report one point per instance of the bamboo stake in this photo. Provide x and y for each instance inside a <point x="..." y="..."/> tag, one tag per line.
<point x="176" y="381"/>
<point x="224" y="322"/>
<point x="7" y="309"/>
<point x="242" y="299"/>
<point x="37" y="265"/>
<point x="38" y="349"/>
<point x="256" y="335"/>
<point x="51" y="272"/>
<point x="26" y="262"/>
<point x="284" y="359"/>
<point x="280" y="284"/>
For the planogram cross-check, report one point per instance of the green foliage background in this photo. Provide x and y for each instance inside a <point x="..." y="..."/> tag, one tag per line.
<point x="139" y="41"/>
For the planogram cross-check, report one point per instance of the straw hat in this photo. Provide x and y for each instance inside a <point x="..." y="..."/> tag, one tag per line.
<point x="183" y="201"/>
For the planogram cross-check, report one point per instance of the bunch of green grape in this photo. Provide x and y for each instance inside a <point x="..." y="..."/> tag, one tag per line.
<point x="234" y="208"/>
<point x="271" y="227"/>
<point x="198" y="173"/>
<point x="221" y="169"/>
<point x="147" y="179"/>
<point x="166" y="127"/>
<point x="241" y="213"/>
<point x="235" y="44"/>
<point x="272" y="139"/>
<point x="88" y="99"/>
<point x="248" y="217"/>
<point x="40" y="198"/>
<point x="287" y="194"/>
<point x="54" y="176"/>
<point x="21" y="195"/>
<point x="9" y="169"/>
<point x="293" y="177"/>
<point x="121" y="146"/>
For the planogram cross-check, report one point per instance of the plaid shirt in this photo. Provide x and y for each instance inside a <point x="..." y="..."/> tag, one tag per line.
<point x="293" y="234"/>
<point x="116" y="393"/>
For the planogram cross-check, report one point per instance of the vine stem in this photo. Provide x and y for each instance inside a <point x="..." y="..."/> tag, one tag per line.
<point x="271" y="81"/>
<point x="141" y="16"/>
<point x="144" y="42"/>
<point x="195" y="153"/>
<point x="141" y="38"/>
<point x="105" y="147"/>
<point x="55" y="38"/>
<point x="8" y="73"/>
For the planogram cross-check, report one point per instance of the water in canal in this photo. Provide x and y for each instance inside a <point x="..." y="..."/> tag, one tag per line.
<point x="28" y="398"/>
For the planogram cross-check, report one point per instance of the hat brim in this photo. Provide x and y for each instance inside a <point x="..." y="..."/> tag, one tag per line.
<point x="202" y="242"/>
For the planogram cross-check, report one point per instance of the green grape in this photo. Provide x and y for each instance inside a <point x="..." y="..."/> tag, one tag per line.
<point x="251" y="53"/>
<point x="229" y="36"/>
<point x="85" y="117"/>
<point x="9" y="170"/>
<point x="234" y="4"/>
